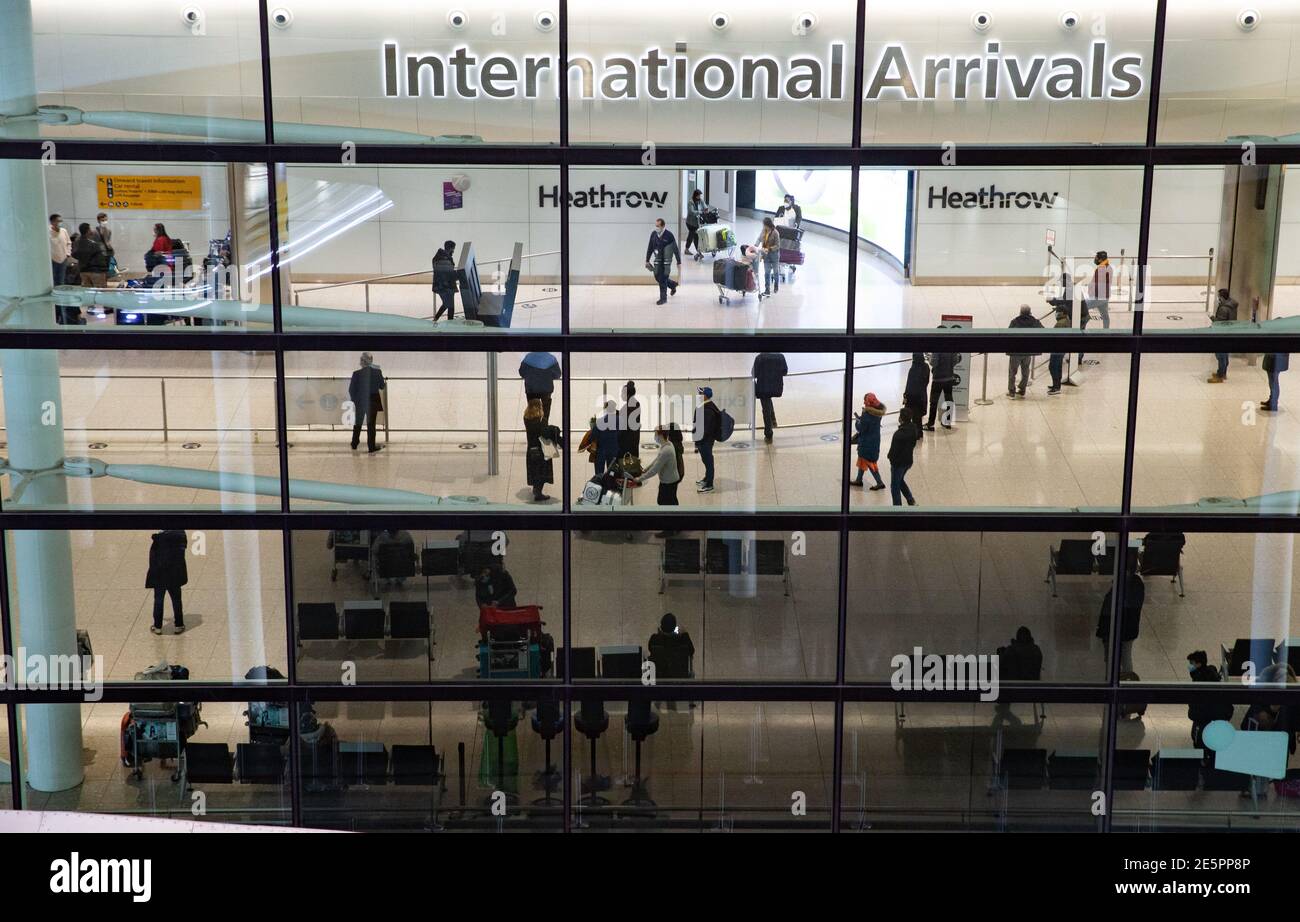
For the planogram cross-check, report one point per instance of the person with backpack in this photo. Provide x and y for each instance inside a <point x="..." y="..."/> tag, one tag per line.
<point x="166" y="575"/>
<point x="1274" y="364"/>
<point x="769" y="371"/>
<point x="444" y="280"/>
<point x="867" y="426"/>
<point x="1198" y="666"/>
<point x="1225" y="311"/>
<point x="901" y="455"/>
<point x="708" y="430"/>
<point x="1135" y="593"/>
<point x="941" y="384"/>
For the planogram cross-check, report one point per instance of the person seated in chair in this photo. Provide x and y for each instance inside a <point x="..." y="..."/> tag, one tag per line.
<point x="495" y="587"/>
<point x="1022" y="659"/>
<point x="383" y="546"/>
<point x="671" y="650"/>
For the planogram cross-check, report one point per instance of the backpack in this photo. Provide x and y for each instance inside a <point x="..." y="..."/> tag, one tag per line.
<point x="726" y="425"/>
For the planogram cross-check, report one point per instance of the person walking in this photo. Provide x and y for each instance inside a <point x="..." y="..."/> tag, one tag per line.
<point x="444" y="280"/>
<point x="1097" y="295"/>
<point x="1274" y="364"/>
<point x="914" y="388"/>
<point x="91" y="257"/>
<point x="867" y="427"/>
<point x="366" y="391"/>
<point x="166" y="576"/>
<point x="768" y="245"/>
<point x="695" y="209"/>
<point x="941" y="385"/>
<point x="540" y="371"/>
<point x="543" y="445"/>
<point x="1021" y="361"/>
<point x="708" y="429"/>
<point x="1056" y="360"/>
<point x="901" y="455"/>
<point x="659" y="255"/>
<point x="789" y="214"/>
<point x="1135" y="594"/>
<point x="668" y="465"/>
<point x="60" y="248"/>
<point x="769" y="371"/>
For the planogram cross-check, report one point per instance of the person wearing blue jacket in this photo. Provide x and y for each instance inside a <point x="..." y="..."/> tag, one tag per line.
<point x="867" y="426"/>
<point x="540" y="371"/>
<point x="1274" y="364"/>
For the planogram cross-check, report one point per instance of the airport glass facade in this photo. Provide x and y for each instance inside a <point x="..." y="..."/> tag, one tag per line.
<point x="276" y="179"/>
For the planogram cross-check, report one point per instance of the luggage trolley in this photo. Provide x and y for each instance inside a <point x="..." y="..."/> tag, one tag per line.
<point x="714" y="238"/>
<point x="511" y="643"/>
<point x="732" y="275"/>
<point x="158" y="729"/>
<point x="791" y="257"/>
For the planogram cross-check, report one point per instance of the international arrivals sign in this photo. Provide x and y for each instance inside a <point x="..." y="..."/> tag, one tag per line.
<point x="466" y="74"/>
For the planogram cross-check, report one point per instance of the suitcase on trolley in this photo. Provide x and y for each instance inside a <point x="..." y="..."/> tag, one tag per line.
<point x="794" y="234"/>
<point x="791" y="257"/>
<point x="709" y="216"/>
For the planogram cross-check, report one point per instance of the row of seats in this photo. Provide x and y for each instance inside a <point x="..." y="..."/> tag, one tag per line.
<point x="366" y="620"/>
<point x="332" y="765"/>
<point x="1160" y="555"/>
<point x="723" y="556"/>
<point x="1183" y="770"/>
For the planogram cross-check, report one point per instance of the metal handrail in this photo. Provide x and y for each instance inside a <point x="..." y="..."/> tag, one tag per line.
<point x="405" y="275"/>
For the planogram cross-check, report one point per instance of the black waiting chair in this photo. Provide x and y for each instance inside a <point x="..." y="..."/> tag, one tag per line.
<point x="1073" y="558"/>
<point x="392" y="560"/>
<point x="319" y="765"/>
<point x="1176" y="772"/>
<point x="259" y="763"/>
<point x="680" y="557"/>
<point x="722" y="556"/>
<point x="363" y="622"/>
<point x="415" y="765"/>
<point x="441" y="560"/>
<point x="208" y="763"/>
<point x="1255" y="650"/>
<point x="1162" y="555"/>
<point x="1023" y="769"/>
<point x="548" y="723"/>
<point x="363" y="763"/>
<point x="318" y="621"/>
<point x="408" y="620"/>
<point x="1132" y="768"/>
<point x="591" y="721"/>
<point x="1072" y="772"/>
<point x="499" y="721"/>
<point x="584" y="662"/>
<point x="1213" y="779"/>
<point x="641" y="723"/>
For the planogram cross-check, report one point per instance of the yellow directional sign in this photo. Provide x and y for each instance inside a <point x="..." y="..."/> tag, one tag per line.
<point x="151" y="193"/>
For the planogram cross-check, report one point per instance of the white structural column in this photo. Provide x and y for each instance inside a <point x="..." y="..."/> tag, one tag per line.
<point x="41" y="562"/>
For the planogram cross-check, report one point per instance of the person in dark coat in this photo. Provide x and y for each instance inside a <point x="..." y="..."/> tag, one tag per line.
<point x="607" y="437"/>
<point x="1274" y="364"/>
<point x="867" y="426"/>
<point x="540" y="371"/>
<point x="92" y="257"/>
<point x="495" y="586"/>
<point x="659" y="255"/>
<point x="914" y="389"/>
<point x="941" y="384"/>
<point x="444" y="279"/>
<point x="1135" y="593"/>
<point x="540" y="468"/>
<point x="707" y="429"/>
<point x="1022" y="659"/>
<point x="167" y="574"/>
<point x="629" y="423"/>
<point x="1020" y="361"/>
<point x="769" y="373"/>
<point x="901" y="455"/>
<point x="1198" y="666"/>
<point x="671" y="649"/>
<point x="366" y="391"/>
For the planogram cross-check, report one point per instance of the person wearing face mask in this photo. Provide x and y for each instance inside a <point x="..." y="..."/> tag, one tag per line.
<point x="1199" y="668"/>
<point x="668" y="465"/>
<point x="659" y="255"/>
<point x="60" y="248"/>
<point x="768" y="245"/>
<point x="695" y="209"/>
<point x="789" y="214"/>
<point x="105" y="232"/>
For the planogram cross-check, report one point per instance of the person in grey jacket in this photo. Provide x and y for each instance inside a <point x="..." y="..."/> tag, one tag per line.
<point x="668" y="464"/>
<point x="659" y="255"/>
<point x="695" y="209"/>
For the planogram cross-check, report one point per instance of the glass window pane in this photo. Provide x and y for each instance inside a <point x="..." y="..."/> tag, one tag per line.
<point x="968" y="767"/>
<point x="708" y="606"/>
<point x="139" y="429"/>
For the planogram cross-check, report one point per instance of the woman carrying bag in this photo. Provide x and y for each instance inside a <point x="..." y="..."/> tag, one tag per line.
<point x="544" y="443"/>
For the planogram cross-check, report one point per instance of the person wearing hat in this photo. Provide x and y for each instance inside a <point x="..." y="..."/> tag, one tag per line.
<point x="444" y="280"/>
<point x="867" y="427"/>
<point x="708" y="428"/>
<point x="1097" y="296"/>
<point x="366" y="391"/>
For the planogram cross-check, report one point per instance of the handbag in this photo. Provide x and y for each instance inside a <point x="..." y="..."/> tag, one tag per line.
<point x="549" y="451"/>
